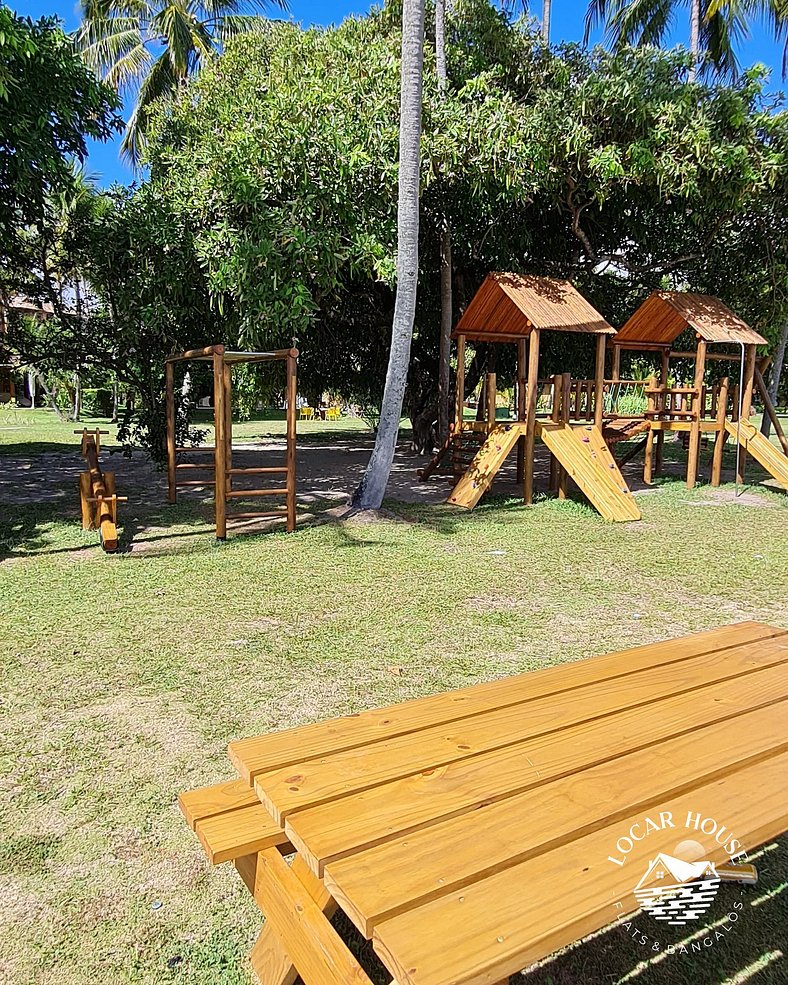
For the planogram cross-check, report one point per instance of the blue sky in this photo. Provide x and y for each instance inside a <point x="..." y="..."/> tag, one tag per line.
<point x="568" y="16"/>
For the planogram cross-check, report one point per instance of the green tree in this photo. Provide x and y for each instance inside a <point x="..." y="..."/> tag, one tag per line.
<point x="50" y="102"/>
<point x="148" y="48"/>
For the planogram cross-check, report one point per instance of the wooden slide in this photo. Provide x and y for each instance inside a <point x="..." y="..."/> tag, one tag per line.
<point x="481" y="472"/>
<point x="582" y="452"/>
<point x="590" y="464"/>
<point x="761" y="449"/>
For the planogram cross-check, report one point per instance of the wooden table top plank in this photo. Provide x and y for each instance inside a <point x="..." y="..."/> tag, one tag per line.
<point x="501" y="924"/>
<point x="379" y="814"/>
<point x="217" y="799"/>
<point x="257" y="754"/>
<point x="334" y="775"/>
<point x="244" y="831"/>
<point x="379" y="883"/>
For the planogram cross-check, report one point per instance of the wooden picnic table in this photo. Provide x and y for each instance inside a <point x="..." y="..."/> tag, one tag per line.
<point x="471" y="833"/>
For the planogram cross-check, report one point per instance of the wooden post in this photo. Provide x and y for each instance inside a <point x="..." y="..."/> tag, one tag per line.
<point x="599" y="406"/>
<point x="88" y="508"/>
<point x="220" y="443"/>
<point x="648" y="456"/>
<point x="616" y="374"/>
<point x="746" y="406"/>
<point x="491" y="390"/>
<point x="522" y="403"/>
<point x="721" y="435"/>
<point x="459" y="406"/>
<point x="664" y="371"/>
<point x="227" y="380"/>
<point x="566" y="389"/>
<point x="292" y="391"/>
<point x="697" y="416"/>
<point x="530" y="416"/>
<point x="556" y="417"/>
<point x="169" y="402"/>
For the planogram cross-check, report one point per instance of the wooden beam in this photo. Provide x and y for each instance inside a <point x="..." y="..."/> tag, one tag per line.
<point x="220" y="444"/>
<point x="746" y="406"/>
<point x="292" y="397"/>
<point x="314" y="947"/>
<point x="491" y="390"/>
<point x="697" y="407"/>
<point x="616" y="374"/>
<point x="227" y="379"/>
<point x="530" y="418"/>
<point x="659" y="453"/>
<point x="522" y="405"/>
<point x="599" y="381"/>
<point x="722" y="434"/>
<point x="648" y="457"/>
<point x="269" y="958"/>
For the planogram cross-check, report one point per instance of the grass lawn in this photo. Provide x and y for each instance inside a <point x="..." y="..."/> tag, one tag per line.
<point x="125" y="676"/>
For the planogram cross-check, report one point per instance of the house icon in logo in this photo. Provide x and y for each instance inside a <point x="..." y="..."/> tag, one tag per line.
<point x="676" y="891"/>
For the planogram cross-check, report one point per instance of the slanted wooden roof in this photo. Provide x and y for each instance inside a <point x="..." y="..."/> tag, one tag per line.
<point x="508" y="306"/>
<point x="664" y="315"/>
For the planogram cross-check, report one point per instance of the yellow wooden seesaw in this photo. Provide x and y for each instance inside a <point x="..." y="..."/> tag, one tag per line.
<point x="97" y="495"/>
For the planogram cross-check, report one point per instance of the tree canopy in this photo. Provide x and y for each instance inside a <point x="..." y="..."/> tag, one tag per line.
<point x="50" y="103"/>
<point x="270" y="210"/>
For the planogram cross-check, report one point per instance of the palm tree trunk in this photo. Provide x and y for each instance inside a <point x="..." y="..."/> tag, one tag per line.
<point x="694" y="37"/>
<point x="444" y="352"/>
<point x="369" y="495"/>
<point x="547" y="7"/>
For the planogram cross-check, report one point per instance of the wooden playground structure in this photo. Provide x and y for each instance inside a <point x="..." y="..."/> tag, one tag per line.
<point x="517" y="309"/>
<point x="581" y="421"/>
<point x="222" y="466"/>
<point x="721" y="410"/>
<point x="97" y="495"/>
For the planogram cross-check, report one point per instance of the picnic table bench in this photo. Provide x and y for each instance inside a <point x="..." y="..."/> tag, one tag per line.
<point x="469" y="834"/>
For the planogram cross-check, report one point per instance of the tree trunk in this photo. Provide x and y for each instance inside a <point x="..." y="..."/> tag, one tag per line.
<point x="369" y="495"/>
<point x="115" y="401"/>
<point x="50" y="398"/>
<point x="77" y="408"/>
<point x="546" y="12"/>
<point x="774" y="380"/>
<point x="694" y="37"/>
<point x="444" y="356"/>
<point x="31" y="385"/>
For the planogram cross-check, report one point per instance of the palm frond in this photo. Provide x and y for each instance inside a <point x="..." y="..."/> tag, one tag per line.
<point x="233" y="25"/>
<point x="719" y="34"/>
<point x="160" y="83"/>
<point x="129" y="69"/>
<point x="599" y="12"/>
<point x="103" y="42"/>
<point x="640" y="22"/>
<point x="214" y="9"/>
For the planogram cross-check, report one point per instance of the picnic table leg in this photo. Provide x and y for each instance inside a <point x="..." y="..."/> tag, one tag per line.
<point x="298" y="907"/>
<point x="270" y="961"/>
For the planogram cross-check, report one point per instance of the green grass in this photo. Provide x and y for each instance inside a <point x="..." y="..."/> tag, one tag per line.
<point x="125" y="676"/>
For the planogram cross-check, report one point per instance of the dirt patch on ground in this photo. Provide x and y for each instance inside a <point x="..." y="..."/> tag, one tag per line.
<point x="722" y="497"/>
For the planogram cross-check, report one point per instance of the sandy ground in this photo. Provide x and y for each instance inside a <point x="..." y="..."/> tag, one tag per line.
<point x="327" y="471"/>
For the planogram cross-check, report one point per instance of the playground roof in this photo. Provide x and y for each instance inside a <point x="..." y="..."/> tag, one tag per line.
<point x="508" y="306"/>
<point x="664" y="315"/>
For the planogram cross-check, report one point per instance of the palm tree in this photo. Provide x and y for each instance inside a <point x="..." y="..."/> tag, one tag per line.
<point x="509" y="7"/>
<point x="147" y="48"/>
<point x="714" y="27"/>
<point x="369" y="495"/>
